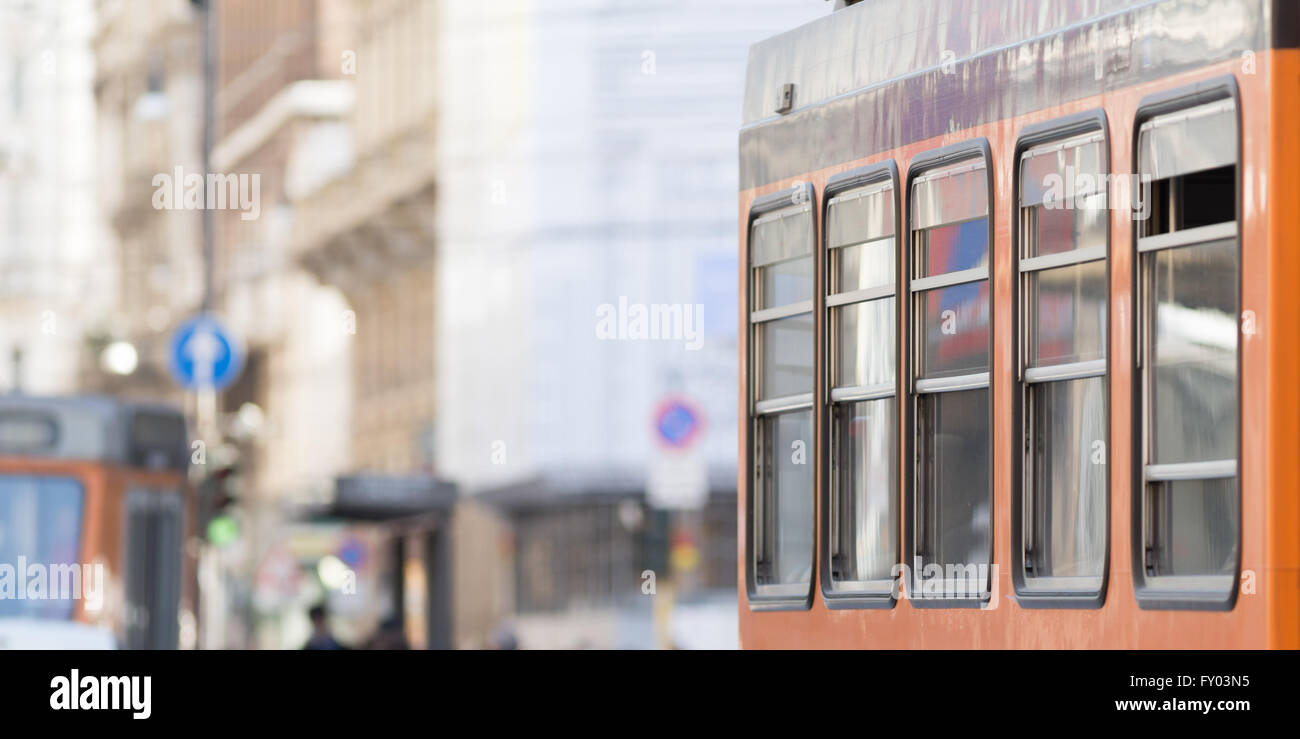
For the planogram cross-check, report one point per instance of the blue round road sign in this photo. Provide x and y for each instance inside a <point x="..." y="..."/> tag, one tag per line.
<point x="204" y="354"/>
<point x="677" y="423"/>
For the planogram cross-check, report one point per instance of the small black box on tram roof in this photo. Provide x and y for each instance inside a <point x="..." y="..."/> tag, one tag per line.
<point x="156" y="438"/>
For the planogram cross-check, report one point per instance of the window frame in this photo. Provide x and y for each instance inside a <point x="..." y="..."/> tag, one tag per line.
<point x="784" y="598"/>
<point x="1034" y="136"/>
<point x="1151" y="594"/>
<point x="860" y="178"/>
<point x="971" y="149"/>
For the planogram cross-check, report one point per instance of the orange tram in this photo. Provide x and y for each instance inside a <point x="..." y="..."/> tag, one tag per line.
<point x="1020" y="363"/>
<point x="97" y="518"/>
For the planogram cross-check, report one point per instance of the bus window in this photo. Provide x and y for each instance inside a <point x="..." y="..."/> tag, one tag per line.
<point x="1189" y="504"/>
<point x="949" y="324"/>
<point x="1061" y="500"/>
<point x="40" y="521"/>
<point x="862" y="527"/>
<point x="781" y="378"/>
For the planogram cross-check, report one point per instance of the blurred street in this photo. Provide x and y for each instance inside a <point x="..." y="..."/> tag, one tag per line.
<point x="405" y="323"/>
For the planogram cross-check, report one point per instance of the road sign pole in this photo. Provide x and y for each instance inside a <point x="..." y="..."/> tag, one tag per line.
<point x="205" y="419"/>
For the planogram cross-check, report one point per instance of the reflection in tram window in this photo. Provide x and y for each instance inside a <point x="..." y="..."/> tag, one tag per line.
<point x="1066" y="535"/>
<point x="952" y="488"/>
<point x="787" y="360"/>
<point x="785" y="282"/>
<point x="1195" y="532"/>
<point x="865" y="349"/>
<point x="785" y="503"/>
<point x="1062" y="272"/>
<point x="954" y="248"/>
<point x="864" y="527"/>
<point x="863" y="498"/>
<point x="781" y="381"/>
<point x="863" y="266"/>
<point x="1067" y="313"/>
<point x="954" y="528"/>
<point x="955" y="327"/>
<point x="1194" y="367"/>
<point x="40" y="521"/>
<point x="1189" y="264"/>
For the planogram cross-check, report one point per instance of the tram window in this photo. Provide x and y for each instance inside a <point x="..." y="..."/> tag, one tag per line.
<point x="863" y="500"/>
<point x="781" y="381"/>
<point x="953" y="429"/>
<point x="949" y="290"/>
<point x="785" y="506"/>
<point x="1189" y="272"/>
<point x="153" y="568"/>
<point x="1062" y="493"/>
<point x="40" y="522"/>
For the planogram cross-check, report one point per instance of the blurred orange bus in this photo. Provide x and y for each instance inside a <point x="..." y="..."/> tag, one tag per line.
<point x="94" y="512"/>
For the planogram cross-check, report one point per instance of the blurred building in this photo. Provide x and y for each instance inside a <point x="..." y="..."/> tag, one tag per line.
<point x="587" y="155"/>
<point x="433" y="205"/>
<point x="369" y="231"/>
<point x="53" y="255"/>
<point x="279" y="103"/>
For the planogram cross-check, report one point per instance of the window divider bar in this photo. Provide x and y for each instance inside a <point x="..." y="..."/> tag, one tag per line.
<point x="781" y="311"/>
<point x="862" y="392"/>
<point x="860" y="296"/>
<point x="1073" y="142"/>
<point x="941" y="173"/>
<point x="874" y="188"/>
<point x="784" y="403"/>
<point x="1188" y="586"/>
<point x="959" y="277"/>
<point x="973" y="381"/>
<point x="794" y="209"/>
<point x="864" y="242"/>
<point x="1063" y="259"/>
<point x="1189" y="236"/>
<point x="1213" y="470"/>
<point x="1071" y="371"/>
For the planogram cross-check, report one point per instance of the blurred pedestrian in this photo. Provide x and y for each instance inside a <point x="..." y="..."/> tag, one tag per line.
<point x="503" y="638"/>
<point x="321" y="638"/>
<point x="391" y="635"/>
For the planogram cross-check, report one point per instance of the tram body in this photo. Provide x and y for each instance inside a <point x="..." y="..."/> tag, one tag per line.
<point x="1019" y="364"/>
<point x="100" y="486"/>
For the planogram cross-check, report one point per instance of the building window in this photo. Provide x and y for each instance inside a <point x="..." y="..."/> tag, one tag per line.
<point x="1060" y="515"/>
<point x="781" y="397"/>
<point x="1189" y="530"/>
<point x="950" y="424"/>
<point x="861" y="277"/>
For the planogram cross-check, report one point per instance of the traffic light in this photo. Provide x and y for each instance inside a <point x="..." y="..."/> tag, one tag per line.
<point x="218" y="494"/>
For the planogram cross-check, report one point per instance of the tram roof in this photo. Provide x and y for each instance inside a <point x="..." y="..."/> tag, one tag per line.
<point x="94" y="427"/>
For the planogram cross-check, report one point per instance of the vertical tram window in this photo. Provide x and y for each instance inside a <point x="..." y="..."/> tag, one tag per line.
<point x="781" y="380"/>
<point x="154" y="532"/>
<point x="949" y="289"/>
<point x="1062" y="368"/>
<point x="860" y="303"/>
<point x="1188" y="298"/>
<point x="40" y="521"/>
